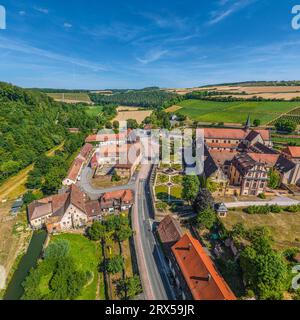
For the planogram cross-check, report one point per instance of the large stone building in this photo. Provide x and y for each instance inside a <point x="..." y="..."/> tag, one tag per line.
<point x="195" y="274"/>
<point x="73" y="209"/>
<point x="242" y="158"/>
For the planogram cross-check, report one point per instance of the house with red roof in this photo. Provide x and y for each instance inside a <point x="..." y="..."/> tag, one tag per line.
<point x="202" y="281"/>
<point x="119" y="200"/>
<point x="70" y="210"/>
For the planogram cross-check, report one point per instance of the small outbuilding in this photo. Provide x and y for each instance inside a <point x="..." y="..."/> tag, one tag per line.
<point x="221" y="210"/>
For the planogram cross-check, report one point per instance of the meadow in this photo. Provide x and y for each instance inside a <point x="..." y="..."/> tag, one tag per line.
<point x="234" y="112"/>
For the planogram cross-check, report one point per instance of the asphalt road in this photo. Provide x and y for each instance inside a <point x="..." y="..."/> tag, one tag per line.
<point x="154" y="270"/>
<point x="93" y="192"/>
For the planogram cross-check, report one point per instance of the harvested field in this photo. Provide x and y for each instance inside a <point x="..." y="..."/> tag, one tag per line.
<point x="138" y="115"/>
<point x="173" y="108"/>
<point x="128" y="108"/>
<point x="71" y="97"/>
<point x="267" y="92"/>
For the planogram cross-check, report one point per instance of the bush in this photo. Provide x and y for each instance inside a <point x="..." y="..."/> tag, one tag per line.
<point x="262" y="196"/>
<point x="293" y="208"/>
<point x="258" y="209"/>
<point x="275" y="208"/>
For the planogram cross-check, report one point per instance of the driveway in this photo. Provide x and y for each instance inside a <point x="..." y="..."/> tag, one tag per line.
<point x="93" y="192"/>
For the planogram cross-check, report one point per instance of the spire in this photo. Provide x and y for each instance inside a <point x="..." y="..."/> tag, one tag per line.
<point x="248" y="123"/>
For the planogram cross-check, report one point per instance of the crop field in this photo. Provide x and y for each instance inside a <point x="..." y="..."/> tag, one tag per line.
<point x="293" y="115"/>
<point x="235" y="112"/>
<point x="246" y="92"/>
<point x="70" y="97"/>
<point x="138" y="115"/>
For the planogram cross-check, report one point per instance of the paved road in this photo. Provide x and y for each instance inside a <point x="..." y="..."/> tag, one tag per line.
<point x="281" y="201"/>
<point x="154" y="271"/>
<point x="93" y="192"/>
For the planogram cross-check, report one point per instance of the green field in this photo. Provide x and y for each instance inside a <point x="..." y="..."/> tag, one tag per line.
<point x="94" y="111"/>
<point x="234" y="112"/>
<point x="87" y="257"/>
<point x="81" y="96"/>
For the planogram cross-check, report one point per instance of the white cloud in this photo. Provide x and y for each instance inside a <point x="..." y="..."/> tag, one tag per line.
<point x="42" y="10"/>
<point x="68" y="25"/>
<point x="22" y="47"/>
<point x="221" y="14"/>
<point x="22" y="13"/>
<point x="152" y="56"/>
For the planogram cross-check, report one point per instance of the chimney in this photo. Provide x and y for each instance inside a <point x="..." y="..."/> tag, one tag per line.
<point x="190" y="246"/>
<point x="208" y="277"/>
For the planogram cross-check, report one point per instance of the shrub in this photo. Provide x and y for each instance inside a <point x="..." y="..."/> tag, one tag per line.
<point x="293" y="208"/>
<point x="262" y="196"/>
<point x="275" y="208"/>
<point x="258" y="209"/>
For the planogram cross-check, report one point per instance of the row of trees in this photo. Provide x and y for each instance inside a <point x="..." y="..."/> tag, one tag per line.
<point x="115" y="228"/>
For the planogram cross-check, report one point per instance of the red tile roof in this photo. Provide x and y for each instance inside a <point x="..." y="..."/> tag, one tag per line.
<point x="123" y="195"/>
<point x="75" y="169"/>
<point x="107" y="137"/>
<point x="222" y="157"/>
<point x="269" y="159"/>
<point x="86" y="150"/>
<point x="201" y="276"/>
<point x="233" y="134"/>
<point x="294" y="152"/>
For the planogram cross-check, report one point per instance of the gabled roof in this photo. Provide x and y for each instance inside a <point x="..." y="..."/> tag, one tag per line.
<point x="261" y="148"/>
<point x="122" y="195"/>
<point x="75" y="169"/>
<point x="294" y="152"/>
<point x="102" y="137"/>
<point x="201" y="276"/>
<point x="85" y="151"/>
<point x="233" y="134"/>
<point x="284" y="165"/>
<point x="169" y="231"/>
<point x="56" y="205"/>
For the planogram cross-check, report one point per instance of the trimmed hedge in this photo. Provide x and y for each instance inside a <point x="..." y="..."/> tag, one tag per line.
<point x="271" y="209"/>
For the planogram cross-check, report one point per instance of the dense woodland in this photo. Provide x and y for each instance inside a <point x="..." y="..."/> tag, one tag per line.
<point x="32" y="123"/>
<point x="141" y="98"/>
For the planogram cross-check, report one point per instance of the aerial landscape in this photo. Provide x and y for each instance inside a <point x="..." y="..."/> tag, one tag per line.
<point x="149" y="154"/>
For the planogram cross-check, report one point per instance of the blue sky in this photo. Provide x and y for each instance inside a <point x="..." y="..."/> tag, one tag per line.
<point x="135" y="43"/>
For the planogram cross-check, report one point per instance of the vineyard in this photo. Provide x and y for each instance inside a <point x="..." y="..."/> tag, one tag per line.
<point x="293" y="115"/>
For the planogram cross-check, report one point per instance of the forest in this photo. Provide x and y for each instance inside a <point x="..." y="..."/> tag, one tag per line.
<point x="146" y="98"/>
<point x="32" y="123"/>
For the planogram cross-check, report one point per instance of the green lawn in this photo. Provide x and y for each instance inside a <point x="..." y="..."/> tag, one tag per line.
<point x="175" y="192"/>
<point x="94" y="111"/>
<point x="162" y="192"/>
<point x="177" y="179"/>
<point x="162" y="178"/>
<point x="87" y="256"/>
<point x="234" y="112"/>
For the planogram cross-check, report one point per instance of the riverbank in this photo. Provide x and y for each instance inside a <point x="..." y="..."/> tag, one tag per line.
<point x="14" y="289"/>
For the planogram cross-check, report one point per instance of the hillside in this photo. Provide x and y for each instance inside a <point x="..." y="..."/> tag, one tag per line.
<point x="32" y="123"/>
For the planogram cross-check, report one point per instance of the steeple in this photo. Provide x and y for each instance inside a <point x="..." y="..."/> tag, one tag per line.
<point x="248" y="123"/>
